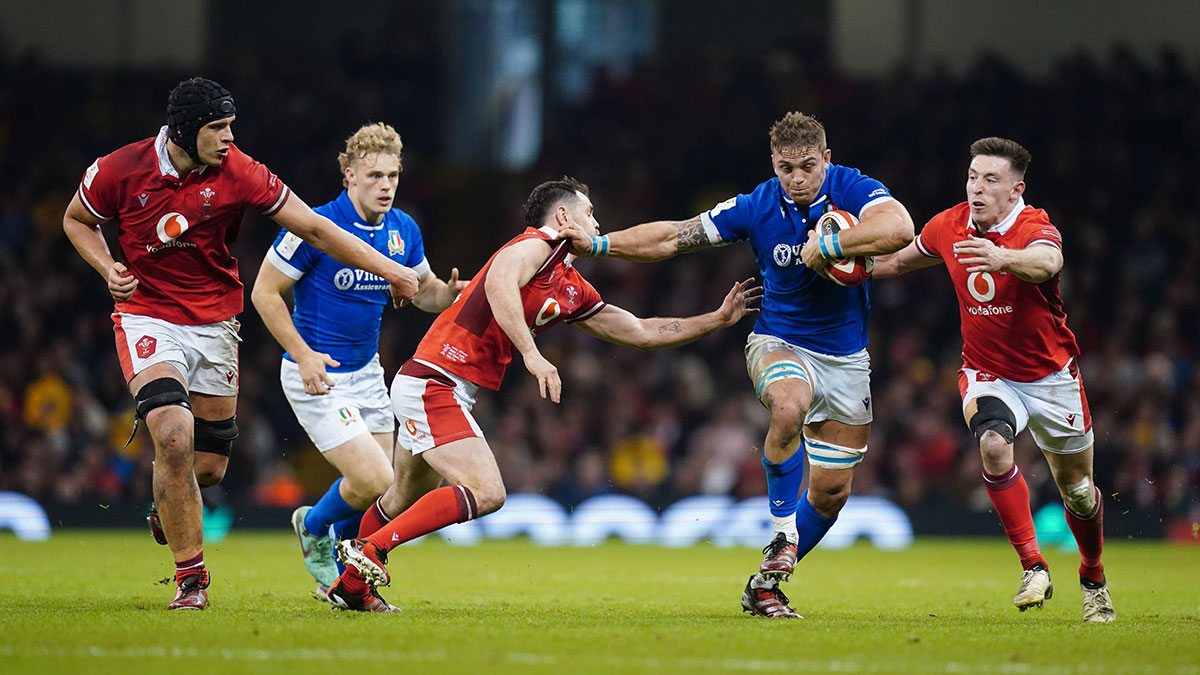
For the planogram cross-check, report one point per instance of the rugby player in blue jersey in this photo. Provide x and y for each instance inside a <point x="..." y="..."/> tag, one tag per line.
<point x="330" y="372"/>
<point x="807" y="353"/>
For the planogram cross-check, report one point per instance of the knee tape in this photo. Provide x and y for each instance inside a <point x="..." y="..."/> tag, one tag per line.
<point x="830" y="456"/>
<point x="216" y="436"/>
<point x="783" y="370"/>
<point x="161" y="392"/>
<point x="993" y="415"/>
<point x="155" y="394"/>
<point x="1080" y="498"/>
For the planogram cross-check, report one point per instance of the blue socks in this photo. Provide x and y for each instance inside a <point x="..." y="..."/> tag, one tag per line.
<point x="783" y="482"/>
<point x="329" y="509"/>
<point x="810" y="526"/>
<point x="345" y="529"/>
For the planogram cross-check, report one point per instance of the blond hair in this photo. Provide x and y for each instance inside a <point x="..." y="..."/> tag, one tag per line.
<point x="370" y="139"/>
<point x="797" y="130"/>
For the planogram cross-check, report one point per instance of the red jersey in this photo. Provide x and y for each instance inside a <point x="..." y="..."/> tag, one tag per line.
<point x="1013" y="329"/>
<point x="466" y="340"/>
<point x="175" y="233"/>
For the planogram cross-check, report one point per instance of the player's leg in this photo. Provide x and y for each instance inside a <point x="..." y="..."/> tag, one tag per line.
<point x="995" y="414"/>
<point x="475" y="489"/>
<point x="1062" y="427"/>
<point x="414" y="479"/>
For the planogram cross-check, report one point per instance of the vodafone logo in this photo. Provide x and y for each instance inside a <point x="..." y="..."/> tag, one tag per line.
<point x="171" y="226"/>
<point x="549" y="312"/>
<point x="981" y="286"/>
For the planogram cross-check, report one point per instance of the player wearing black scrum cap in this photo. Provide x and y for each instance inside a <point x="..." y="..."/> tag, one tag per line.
<point x="175" y="201"/>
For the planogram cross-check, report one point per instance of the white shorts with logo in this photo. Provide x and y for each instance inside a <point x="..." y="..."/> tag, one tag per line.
<point x="841" y="384"/>
<point x="357" y="404"/>
<point x="206" y="356"/>
<point x="1054" y="408"/>
<point x="432" y="406"/>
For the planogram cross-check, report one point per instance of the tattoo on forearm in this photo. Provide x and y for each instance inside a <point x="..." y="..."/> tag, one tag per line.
<point x="691" y="236"/>
<point x="672" y="327"/>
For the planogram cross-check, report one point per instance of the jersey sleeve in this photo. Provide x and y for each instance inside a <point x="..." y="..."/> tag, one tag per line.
<point x="590" y="302"/>
<point x="291" y="255"/>
<point x="99" y="189"/>
<point x="415" y="257"/>
<point x="260" y="188"/>
<point x="728" y="221"/>
<point x="856" y="192"/>
<point x="927" y="240"/>
<point x="1041" y="232"/>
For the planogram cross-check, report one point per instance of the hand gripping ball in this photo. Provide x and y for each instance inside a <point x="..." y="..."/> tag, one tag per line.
<point x="846" y="271"/>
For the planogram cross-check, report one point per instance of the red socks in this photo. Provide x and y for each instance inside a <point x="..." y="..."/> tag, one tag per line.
<point x="1010" y="496"/>
<point x="444" y="506"/>
<point x="1089" y="535"/>
<point x="372" y="521"/>
<point x="186" y="568"/>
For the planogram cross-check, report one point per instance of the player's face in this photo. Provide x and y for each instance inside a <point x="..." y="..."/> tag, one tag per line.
<point x="801" y="171"/>
<point x="583" y="213"/>
<point x="213" y="139"/>
<point x="371" y="182"/>
<point x="992" y="190"/>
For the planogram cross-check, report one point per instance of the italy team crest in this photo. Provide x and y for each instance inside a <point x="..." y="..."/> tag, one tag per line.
<point x="395" y="243"/>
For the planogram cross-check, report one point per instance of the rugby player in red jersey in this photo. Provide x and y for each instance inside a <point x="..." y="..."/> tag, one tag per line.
<point x="526" y="288"/>
<point x="1019" y="359"/>
<point x="176" y="201"/>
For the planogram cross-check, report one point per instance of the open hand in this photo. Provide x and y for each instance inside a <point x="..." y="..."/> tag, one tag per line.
<point x="546" y="373"/>
<point x="312" y="372"/>
<point x="741" y="300"/>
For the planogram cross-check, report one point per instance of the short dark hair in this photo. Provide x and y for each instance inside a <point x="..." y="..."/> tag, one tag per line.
<point x="548" y="195"/>
<point x="994" y="146"/>
<point x="797" y="130"/>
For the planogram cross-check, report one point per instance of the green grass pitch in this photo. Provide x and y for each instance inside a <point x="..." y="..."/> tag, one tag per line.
<point x="90" y="602"/>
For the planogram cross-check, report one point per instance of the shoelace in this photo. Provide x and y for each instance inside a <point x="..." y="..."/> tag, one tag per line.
<point x="777" y="544"/>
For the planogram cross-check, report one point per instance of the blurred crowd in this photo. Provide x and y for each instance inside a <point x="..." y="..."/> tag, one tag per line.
<point x="1112" y="139"/>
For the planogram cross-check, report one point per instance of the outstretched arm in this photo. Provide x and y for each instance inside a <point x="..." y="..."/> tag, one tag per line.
<point x="510" y="270"/>
<point x="903" y="261"/>
<point x="296" y="217"/>
<point x="617" y="325"/>
<point x="435" y="295"/>
<point x="267" y="298"/>
<point x="1034" y="264"/>
<point x="647" y="242"/>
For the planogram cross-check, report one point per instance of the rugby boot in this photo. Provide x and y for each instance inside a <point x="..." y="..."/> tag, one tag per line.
<point x="156" y="528"/>
<point x="769" y="602"/>
<point x="316" y="549"/>
<point x="192" y="592"/>
<point x="1097" y="604"/>
<point x="780" y="558"/>
<point x="1035" y="588"/>
<point x="370" y="601"/>
<point x="367" y="560"/>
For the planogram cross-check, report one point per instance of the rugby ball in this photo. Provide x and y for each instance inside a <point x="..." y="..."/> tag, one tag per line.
<point x="847" y="271"/>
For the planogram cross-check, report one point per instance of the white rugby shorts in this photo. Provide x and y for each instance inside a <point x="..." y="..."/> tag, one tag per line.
<point x="432" y="406"/>
<point x="1054" y="408"/>
<point x="357" y="404"/>
<point x="206" y="356"/>
<point x="841" y="384"/>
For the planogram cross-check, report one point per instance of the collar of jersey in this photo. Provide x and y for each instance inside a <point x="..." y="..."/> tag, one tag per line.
<point x="553" y="234"/>
<point x="165" y="167"/>
<point x="1003" y="226"/>
<point x="350" y="214"/>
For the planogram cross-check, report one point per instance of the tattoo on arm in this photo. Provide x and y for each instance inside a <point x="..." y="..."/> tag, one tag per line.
<point x="672" y="327"/>
<point x="691" y="236"/>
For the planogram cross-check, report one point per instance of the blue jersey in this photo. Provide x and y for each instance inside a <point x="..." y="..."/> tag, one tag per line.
<point x="799" y="305"/>
<point x="338" y="308"/>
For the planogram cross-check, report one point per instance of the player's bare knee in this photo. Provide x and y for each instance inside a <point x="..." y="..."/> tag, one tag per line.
<point x="489" y="497"/>
<point x="787" y="423"/>
<point x="829" y="500"/>
<point x="994" y="449"/>
<point x="209" y="476"/>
